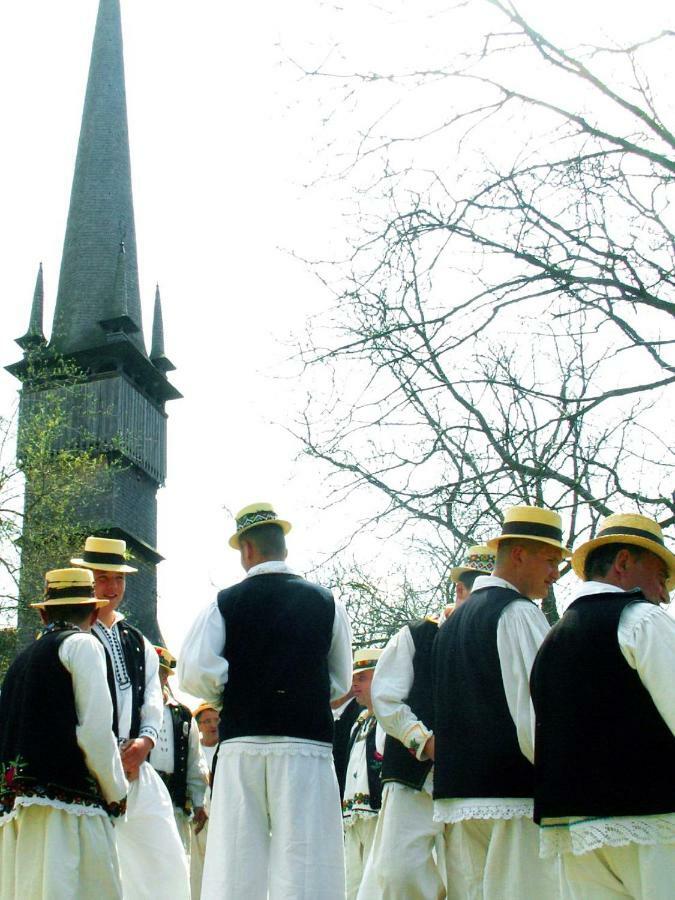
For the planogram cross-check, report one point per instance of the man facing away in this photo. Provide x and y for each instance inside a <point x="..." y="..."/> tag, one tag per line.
<point x="602" y="686"/>
<point x="177" y="757"/>
<point x="61" y="776"/>
<point x="272" y="651"/>
<point x="152" y="859"/>
<point x="484" y="724"/>
<point x="403" y="864"/>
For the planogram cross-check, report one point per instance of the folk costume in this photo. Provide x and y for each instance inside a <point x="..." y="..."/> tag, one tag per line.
<point x="343" y="722"/>
<point x="362" y="796"/>
<point x="198" y="839"/>
<point x="177" y="757"/>
<point x="272" y="651"/>
<point x="61" y="776"/>
<point x="602" y="686"/>
<point x="405" y="858"/>
<point x="152" y="859"/>
<point x="484" y="729"/>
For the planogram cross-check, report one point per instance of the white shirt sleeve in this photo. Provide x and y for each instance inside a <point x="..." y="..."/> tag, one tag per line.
<point x="197" y="768"/>
<point x="340" y="653"/>
<point x="202" y="668"/>
<point x="152" y="711"/>
<point x="83" y="657"/>
<point x="522" y="628"/>
<point x="647" y="640"/>
<point x="391" y="685"/>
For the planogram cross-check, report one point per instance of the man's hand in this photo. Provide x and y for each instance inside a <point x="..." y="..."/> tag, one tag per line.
<point x="134" y="753"/>
<point x="199" y="818"/>
<point x="430" y="748"/>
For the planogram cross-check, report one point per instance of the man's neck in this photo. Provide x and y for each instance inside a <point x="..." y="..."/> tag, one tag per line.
<point x="107" y="617"/>
<point x="507" y="574"/>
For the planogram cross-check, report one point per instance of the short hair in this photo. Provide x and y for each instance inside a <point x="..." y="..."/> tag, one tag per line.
<point x="505" y="547"/>
<point x="75" y="613"/>
<point x="468" y="579"/>
<point x="205" y="710"/>
<point x="599" y="561"/>
<point x="268" y="540"/>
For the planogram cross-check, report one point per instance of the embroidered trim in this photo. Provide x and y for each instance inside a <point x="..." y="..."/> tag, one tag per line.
<point x="122" y="679"/>
<point x="450" y="812"/>
<point x="585" y="835"/>
<point x="280" y="748"/>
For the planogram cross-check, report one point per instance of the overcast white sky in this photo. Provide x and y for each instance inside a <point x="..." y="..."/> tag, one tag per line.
<point x="220" y="142"/>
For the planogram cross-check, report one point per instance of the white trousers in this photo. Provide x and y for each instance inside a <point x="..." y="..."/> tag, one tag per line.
<point x="645" y="872"/>
<point x="359" y="836"/>
<point x="197" y="854"/>
<point x="498" y="859"/>
<point x="403" y="864"/>
<point x="51" y="854"/>
<point x="275" y="826"/>
<point x="152" y="859"/>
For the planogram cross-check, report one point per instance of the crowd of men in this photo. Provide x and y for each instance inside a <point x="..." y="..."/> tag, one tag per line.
<point x="480" y="754"/>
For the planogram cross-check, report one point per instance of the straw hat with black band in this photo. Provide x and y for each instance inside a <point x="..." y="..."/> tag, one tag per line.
<point x="366" y="658"/>
<point x="69" y="587"/>
<point x="105" y="555"/>
<point x="254" y="515"/>
<point x="166" y="660"/>
<point x="627" y="528"/>
<point x="479" y="558"/>
<point x="531" y="523"/>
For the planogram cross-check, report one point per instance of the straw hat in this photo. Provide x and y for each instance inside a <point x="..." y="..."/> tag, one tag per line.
<point x="532" y="523"/>
<point x="628" y="528"/>
<point x="69" y="587"/>
<point x="256" y="514"/>
<point x="478" y="559"/>
<point x="366" y="658"/>
<point x="104" y="554"/>
<point x="166" y="660"/>
<point x="202" y="708"/>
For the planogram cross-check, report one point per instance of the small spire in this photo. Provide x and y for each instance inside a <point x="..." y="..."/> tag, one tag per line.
<point x="157" y="356"/>
<point x="120" y="320"/>
<point x="34" y="337"/>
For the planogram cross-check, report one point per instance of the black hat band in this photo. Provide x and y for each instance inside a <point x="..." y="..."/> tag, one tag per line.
<point x="532" y="529"/>
<point x="52" y="593"/>
<point x="113" y="559"/>
<point x="637" y="532"/>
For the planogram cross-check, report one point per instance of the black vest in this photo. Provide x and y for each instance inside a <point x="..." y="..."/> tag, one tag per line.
<point x="133" y="648"/>
<point x="278" y="633"/>
<point x="398" y="763"/>
<point x="341" y="741"/>
<point x="477" y="751"/>
<point x="39" y="753"/>
<point x="373" y="762"/>
<point x="602" y="748"/>
<point x="176" y="781"/>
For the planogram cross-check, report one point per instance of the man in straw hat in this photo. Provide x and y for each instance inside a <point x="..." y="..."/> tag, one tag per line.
<point x="61" y="776"/>
<point x="602" y="686"/>
<point x="207" y="718"/>
<point x="177" y="757"/>
<point x="363" y="790"/>
<point x="402" y="863"/>
<point x="272" y="651"/>
<point x="484" y="728"/>
<point x="152" y="859"/>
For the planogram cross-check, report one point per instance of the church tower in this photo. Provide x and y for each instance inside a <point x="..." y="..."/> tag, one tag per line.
<point x="119" y="405"/>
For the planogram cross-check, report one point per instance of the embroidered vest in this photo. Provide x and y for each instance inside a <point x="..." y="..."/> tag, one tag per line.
<point x="176" y="781"/>
<point x="602" y="748"/>
<point x="398" y="764"/>
<point x="133" y="650"/>
<point x="477" y="750"/>
<point x="342" y="741"/>
<point x="278" y="633"/>
<point x="39" y="753"/>
<point x="373" y="762"/>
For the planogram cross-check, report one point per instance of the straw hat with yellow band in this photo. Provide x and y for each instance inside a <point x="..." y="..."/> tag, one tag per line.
<point x="627" y="528"/>
<point x="366" y="658"/>
<point x="480" y="558"/>
<point x="203" y="708"/>
<point x="166" y="660"/>
<point x="105" y="554"/>
<point x="69" y="587"/>
<point x="254" y="515"/>
<point x="531" y="523"/>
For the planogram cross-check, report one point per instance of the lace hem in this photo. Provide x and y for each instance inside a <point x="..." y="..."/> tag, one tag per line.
<point x="74" y="808"/>
<point x="277" y="748"/>
<point x="452" y="811"/>
<point x="350" y="818"/>
<point x="579" y="836"/>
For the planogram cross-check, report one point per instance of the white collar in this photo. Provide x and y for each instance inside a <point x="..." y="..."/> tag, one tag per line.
<point x="484" y="581"/>
<point x="595" y="587"/>
<point x="270" y="567"/>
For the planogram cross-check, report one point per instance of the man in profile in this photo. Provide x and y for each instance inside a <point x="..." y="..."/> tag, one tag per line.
<point x="271" y="652"/>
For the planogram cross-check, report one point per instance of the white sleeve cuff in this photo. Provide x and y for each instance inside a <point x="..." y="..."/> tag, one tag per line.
<point x="415" y="739"/>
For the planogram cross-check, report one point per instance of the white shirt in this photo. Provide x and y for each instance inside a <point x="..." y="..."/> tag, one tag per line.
<point x="646" y="635"/>
<point x="152" y="710"/>
<point x="163" y="759"/>
<point x="82" y="656"/>
<point x="521" y="630"/>
<point x="203" y="670"/>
